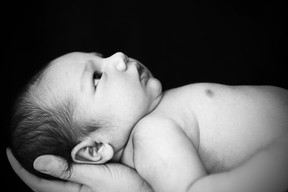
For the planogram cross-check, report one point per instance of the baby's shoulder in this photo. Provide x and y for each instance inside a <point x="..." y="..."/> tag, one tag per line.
<point x="152" y="127"/>
<point x="161" y="148"/>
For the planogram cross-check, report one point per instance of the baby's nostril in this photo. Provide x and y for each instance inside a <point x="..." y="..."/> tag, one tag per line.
<point x="125" y="58"/>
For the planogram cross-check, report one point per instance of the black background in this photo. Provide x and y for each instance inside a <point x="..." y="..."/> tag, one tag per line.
<point x="200" y="41"/>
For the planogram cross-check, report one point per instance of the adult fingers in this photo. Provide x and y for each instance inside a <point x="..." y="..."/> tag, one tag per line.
<point x="39" y="184"/>
<point x="88" y="175"/>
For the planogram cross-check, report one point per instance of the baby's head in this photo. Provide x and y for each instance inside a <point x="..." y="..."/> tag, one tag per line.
<point x="82" y="107"/>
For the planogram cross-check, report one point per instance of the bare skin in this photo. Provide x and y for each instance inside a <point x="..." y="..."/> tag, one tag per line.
<point x="205" y="129"/>
<point x="199" y="137"/>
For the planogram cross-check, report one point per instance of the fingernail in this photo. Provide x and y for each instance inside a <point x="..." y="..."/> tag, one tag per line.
<point x="42" y="164"/>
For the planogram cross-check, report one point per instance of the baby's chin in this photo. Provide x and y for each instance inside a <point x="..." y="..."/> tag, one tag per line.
<point x="156" y="87"/>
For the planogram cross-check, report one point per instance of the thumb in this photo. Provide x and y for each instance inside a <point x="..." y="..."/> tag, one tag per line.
<point x="52" y="165"/>
<point x="80" y="173"/>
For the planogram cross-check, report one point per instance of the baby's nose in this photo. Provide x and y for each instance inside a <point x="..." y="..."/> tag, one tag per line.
<point x="121" y="61"/>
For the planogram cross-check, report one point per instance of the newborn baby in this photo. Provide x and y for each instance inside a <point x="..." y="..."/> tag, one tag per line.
<point x="94" y="110"/>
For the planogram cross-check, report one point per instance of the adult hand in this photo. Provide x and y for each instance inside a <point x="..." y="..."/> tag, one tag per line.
<point x="82" y="178"/>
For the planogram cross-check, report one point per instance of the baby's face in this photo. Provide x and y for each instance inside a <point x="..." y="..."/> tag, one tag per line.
<point x="117" y="91"/>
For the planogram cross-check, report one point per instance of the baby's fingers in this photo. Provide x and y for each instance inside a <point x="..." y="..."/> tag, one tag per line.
<point x="42" y="185"/>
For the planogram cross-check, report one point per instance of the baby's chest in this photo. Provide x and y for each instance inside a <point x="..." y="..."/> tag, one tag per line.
<point x="232" y="131"/>
<point x="225" y="143"/>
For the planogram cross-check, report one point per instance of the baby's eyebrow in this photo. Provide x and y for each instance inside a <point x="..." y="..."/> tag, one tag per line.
<point x="98" y="54"/>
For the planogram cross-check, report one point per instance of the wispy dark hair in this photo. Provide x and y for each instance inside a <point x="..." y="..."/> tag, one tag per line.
<point x="38" y="128"/>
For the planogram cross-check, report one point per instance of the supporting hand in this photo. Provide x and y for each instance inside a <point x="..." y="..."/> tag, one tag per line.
<point x="82" y="178"/>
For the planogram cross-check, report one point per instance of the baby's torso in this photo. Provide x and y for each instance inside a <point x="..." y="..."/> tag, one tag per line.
<point x="225" y="124"/>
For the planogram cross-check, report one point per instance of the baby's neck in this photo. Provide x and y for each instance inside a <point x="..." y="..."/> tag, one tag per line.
<point x="175" y="106"/>
<point x="118" y="156"/>
<point x="178" y="105"/>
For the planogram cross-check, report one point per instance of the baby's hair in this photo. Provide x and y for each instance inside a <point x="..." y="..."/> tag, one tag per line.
<point x="40" y="128"/>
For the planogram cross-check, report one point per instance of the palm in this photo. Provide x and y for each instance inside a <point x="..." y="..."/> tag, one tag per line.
<point x="83" y="178"/>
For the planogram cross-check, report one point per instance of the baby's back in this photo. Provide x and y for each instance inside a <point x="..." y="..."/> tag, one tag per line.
<point x="233" y="122"/>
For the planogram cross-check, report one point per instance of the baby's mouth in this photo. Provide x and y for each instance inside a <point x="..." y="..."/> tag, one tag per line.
<point x="143" y="73"/>
<point x="140" y="69"/>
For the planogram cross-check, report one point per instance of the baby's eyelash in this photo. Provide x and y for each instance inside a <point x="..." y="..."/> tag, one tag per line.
<point x="96" y="77"/>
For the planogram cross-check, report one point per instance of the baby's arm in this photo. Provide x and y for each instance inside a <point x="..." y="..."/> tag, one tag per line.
<point x="165" y="157"/>
<point x="167" y="160"/>
<point x="266" y="171"/>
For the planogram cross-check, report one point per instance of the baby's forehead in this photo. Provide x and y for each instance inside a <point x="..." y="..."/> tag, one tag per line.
<point x="61" y="74"/>
<point x="69" y="62"/>
<point x="70" y="58"/>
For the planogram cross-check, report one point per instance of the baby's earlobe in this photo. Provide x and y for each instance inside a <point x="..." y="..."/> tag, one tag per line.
<point x="107" y="152"/>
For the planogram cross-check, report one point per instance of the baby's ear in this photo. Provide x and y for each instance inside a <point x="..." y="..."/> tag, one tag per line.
<point x="91" y="152"/>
